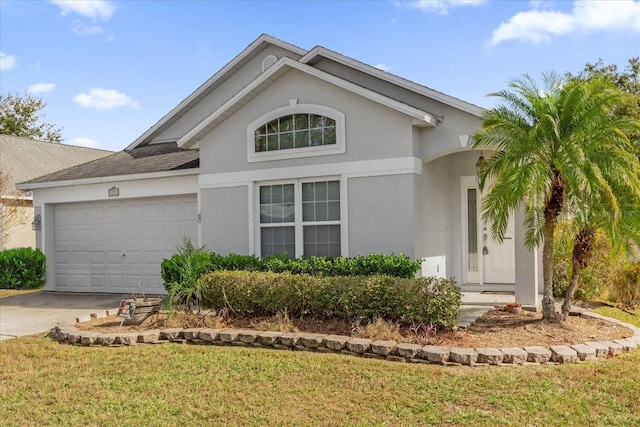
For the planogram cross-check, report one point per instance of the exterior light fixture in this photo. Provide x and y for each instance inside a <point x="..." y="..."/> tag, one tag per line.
<point x="480" y="163"/>
<point x="37" y="221"/>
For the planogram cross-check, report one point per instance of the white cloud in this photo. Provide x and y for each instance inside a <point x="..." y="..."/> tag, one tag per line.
<point x="85" y="142"/>
<point x="104" y="99"/>
<point x="41" y="88"/>
<point x="86" y="30"/>
<point x="384" y="67"/>
<point x="440" y="7"/>
<point x="94" y="9"/>
<point x="7" y="62"/>
<point x="586" y="16"/>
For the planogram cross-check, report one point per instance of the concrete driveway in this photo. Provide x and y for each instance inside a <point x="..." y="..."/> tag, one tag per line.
<point x="38" y="312"/>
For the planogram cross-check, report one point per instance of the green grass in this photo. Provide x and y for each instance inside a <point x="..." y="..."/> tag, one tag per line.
<point x="6" y="293"/>
<point x="44" y="383"/>
<point x="619" y="314"/>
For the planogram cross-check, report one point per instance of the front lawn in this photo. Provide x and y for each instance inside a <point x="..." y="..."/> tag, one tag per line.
<point x="44" y="383"/>
<point x="6" y="293"/>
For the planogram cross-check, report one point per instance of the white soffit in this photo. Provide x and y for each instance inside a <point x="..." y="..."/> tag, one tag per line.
<point x="420" y="117"/>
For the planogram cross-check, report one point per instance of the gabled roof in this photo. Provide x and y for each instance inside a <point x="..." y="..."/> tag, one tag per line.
<point x="283" y="65"/>
<point x="149" y="161"/>
<point x="319" y="52"/>
<point x="25" y="159"/>
<point x="210" y="85"/>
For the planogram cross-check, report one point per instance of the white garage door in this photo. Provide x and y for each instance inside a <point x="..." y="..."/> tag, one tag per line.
<point x="117" y="246"/>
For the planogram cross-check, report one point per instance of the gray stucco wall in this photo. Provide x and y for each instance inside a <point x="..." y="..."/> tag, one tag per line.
<point x="381" y="215"/>
<point x="372" y="130"/>
<point x="225" y="220"/>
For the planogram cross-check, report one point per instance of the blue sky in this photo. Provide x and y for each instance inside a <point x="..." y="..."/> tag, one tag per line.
<point x="110" y="69"/>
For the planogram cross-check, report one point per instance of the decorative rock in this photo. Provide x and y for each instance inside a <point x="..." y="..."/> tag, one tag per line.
<point x="513" y="355"/>
<point x="88" y="339"/>
<point x="268" y="337"/>
<point x="126" y="339"/>
<point x="228" y="336"/>
<point x="435" y="354"/>
<point x="492" y="356"/>
<point x="208" y="335"/>
<point x="73" y="337"/>
<point x="170" y="334"/>
<point x="384" y="348"/>
<point x="358" y="345"/>
<point x="335" y="342"/>
<point x="614" y="348"/>
<point x="627" y="345"/>
<point x="190" y="334"/>
<point x="369" y="355"/>
<point x="584" y="352"/>
<point x="311" y="340"/>
<point x="288" y="339"/>
<point x="464" y="356"/>
<point x="602" y="350"/>
<point x="395" y="358"/>
<point x="407" y="350"/>
<point x="107" y="339"/>
<point x="149" y="337"/>
<point x="563" y="354"/>
<point x="538" y="354"/>
<point x="247" y="337"/>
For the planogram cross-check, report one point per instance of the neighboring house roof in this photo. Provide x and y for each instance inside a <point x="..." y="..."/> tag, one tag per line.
<point x="25" y="159"/>
<point x="283" y="65"/>
<point x="149" y="159"/>
<point x="214" y="81"/>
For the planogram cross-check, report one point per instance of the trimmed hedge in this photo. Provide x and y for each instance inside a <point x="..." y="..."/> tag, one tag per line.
<point x="408" y="301"/>
<point x="22" y="268"/>
<point x="191" y="262"/>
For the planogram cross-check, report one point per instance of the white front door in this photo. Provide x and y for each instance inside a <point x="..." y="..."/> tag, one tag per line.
<point x="484" y="260"/>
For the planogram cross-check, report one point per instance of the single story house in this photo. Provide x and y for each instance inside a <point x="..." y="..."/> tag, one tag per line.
<point x="284" y="150"/>
<point x="23" y="159"/>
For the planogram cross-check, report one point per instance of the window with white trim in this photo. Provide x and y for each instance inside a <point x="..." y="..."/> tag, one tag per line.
<point x="300" y="219"/>
<point x="297" y="130"/>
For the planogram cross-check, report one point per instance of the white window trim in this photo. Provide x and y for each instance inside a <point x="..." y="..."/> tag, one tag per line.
<point x="298" y="223"/>
<point x="294" y="153"/>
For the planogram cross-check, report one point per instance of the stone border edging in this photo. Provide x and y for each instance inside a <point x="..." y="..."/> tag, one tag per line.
<point x="362" y="347"/>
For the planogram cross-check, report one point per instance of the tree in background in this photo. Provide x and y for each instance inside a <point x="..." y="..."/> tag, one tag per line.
<point x="21" y="116"/>
<point x="11" y="214"/>
<point x="558" y="149"/>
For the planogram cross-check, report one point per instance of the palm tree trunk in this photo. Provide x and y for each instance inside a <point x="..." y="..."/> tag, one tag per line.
<point x="571" y="290"/>
<point x="548" y="303"/>
<point x="582" y="251"/>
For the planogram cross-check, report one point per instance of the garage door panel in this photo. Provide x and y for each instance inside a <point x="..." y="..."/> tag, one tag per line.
<point x="91" y="239"/>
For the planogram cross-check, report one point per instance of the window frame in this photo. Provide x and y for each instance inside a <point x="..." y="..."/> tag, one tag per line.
<point x="293" y="153"/>
<point x="298" y="222"/>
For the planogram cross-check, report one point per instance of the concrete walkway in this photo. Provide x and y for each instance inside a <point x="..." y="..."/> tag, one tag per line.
<point x="38" y="312"/>
<point x="477" y="304"/>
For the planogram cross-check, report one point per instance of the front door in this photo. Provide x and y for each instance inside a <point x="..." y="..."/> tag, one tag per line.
<point x="484" y="260"/>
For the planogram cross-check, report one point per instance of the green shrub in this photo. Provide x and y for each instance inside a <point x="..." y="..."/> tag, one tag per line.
<point x="626" y="286"/>
<point x="424" y="300"/>
<point x="182" y="271"/>
<point x="22" y="268"/>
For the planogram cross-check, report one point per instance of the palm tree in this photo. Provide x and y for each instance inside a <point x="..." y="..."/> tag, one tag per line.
<point x="553" y="143"/>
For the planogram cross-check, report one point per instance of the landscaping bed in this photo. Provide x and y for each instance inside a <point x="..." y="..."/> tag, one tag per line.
<point x="497" y="328"/>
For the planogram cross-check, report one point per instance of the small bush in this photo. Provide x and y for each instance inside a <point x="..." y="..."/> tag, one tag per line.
<point x="408" y="301"/>
<point x="626" y="286"/>
<point x="22" y="268"/>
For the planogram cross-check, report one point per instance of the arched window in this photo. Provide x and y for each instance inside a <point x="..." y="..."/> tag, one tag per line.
<point x="296" y="131"/>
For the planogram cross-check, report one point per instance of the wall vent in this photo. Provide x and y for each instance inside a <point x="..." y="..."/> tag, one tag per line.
<point x="268" y="62"/>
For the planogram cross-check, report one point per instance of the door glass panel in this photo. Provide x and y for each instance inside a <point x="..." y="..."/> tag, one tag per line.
<point x="472" y="229"/>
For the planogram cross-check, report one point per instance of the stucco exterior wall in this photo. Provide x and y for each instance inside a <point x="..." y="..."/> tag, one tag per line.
<point x="225" y="219"/>
<point x="372" y="130"/>
<point x="222" y="93"/>
<point x="381" y="215"/>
